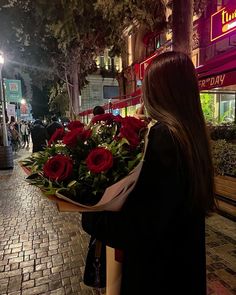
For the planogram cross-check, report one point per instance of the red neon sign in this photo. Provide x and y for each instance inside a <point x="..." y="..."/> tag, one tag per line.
<point x="223" y="22"/>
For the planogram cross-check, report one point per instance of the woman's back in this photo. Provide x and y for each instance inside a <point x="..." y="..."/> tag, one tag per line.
<point x="164" y="236"/>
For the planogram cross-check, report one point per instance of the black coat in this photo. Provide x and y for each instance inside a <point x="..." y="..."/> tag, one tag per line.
<point x="161" y="234"/>
<point x="39" y="137"/>
<point x="51" y="128"/>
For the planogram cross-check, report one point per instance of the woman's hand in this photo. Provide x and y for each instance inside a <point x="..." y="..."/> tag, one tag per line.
<point x="139" y="114"/>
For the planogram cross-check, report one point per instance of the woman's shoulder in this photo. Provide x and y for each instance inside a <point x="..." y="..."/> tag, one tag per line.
<point x="163" y="148"/>
<point x="161" y="134"/>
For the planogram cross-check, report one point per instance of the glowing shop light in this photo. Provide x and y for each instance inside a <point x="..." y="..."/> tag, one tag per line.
<point x="229" y="26"/>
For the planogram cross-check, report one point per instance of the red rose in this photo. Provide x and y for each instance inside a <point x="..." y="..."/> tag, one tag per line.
<point x="74" y="125"/>
<point x="134" y="123"/>
<point x="57" y="135"/>
<point x="58" y="168"/>
<point x="72" y="137"/>
<point x="99" y="160"/>
<point x="109" y="118"/>
<point x="118" y="119"/>
<point x="130" y="135"/>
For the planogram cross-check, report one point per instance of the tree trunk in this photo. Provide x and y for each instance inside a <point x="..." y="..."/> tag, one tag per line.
<point x="75" y="93"/>
<point x="69" y="91"/>
<point x="182" y="25"/>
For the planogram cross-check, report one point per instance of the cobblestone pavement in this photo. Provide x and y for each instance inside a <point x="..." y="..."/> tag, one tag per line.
<point x="42" y="251"/>
<point x="221" y="255"/>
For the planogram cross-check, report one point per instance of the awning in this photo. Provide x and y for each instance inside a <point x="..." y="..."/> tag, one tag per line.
<point x="130" y="100"/>
<point x="218" y="72"/>
<point x="146" y="62"/>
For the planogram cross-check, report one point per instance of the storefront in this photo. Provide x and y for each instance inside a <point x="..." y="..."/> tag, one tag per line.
<point x="217" y="77"/>
<point x="124" y="107"/>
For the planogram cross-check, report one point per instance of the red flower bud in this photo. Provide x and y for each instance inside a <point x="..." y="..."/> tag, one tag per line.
<point x="99" y="160"/>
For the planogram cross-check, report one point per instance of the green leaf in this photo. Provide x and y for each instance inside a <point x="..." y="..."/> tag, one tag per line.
<point x="33" y="175"/>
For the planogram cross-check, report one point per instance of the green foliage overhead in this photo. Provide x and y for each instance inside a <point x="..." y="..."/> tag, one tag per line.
<point x="150" y="13"/>
<point x="26" y="49"/>
<point x="59" y="39"/>
<point x="59" y="100"/>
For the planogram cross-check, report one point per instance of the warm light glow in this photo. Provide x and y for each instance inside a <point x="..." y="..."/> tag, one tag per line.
<point x="23" y="101"/>
<point x="1" y="58"/>
<point x="229" y="26"/>
<point x="222" y="23"/>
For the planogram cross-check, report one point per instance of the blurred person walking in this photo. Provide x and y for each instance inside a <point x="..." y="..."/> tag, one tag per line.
<point x="39" y="136"/>
<point x="53" y="126"/>
<point x="24" y="129"/>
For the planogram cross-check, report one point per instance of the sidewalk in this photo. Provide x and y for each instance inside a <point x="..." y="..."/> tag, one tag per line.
<point x="42" y="250"/>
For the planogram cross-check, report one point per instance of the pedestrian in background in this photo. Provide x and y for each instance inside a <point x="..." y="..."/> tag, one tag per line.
<point x="161" y="227"/>
<point x="39" y="136"/>
<point x="53" y="126"/>
<point x="15" y="135"/>
<point x="97" y="110"/>
<point x="24" y="129"/>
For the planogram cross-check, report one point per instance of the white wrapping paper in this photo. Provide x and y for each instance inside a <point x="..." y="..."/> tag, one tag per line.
<point x="114" y="196"/>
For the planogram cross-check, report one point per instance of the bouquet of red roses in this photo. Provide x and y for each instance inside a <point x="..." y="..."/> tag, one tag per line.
<point x="95" y="166"/>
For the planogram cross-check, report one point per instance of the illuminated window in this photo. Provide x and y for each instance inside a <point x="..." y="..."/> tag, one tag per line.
<point x="102" y="63"/>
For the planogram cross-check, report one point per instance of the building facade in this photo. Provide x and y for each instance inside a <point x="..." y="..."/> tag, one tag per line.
<point x="213" y="54"/>
<point x="102" y="84"/>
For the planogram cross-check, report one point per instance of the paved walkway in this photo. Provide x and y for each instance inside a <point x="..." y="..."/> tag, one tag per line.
<point x="42" y="251"/>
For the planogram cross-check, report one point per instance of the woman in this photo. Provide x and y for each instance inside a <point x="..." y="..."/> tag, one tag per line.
<point x="161" y="227"/>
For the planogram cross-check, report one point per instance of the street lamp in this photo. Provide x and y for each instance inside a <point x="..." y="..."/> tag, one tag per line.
<point x="23" y="101"/>
<point x="6" y="155"/>
<point x="4" y="127"/>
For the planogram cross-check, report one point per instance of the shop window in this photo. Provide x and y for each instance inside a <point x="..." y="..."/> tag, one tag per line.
<point x="218" y="107"/>
<point x="227" y="108"/>
<point x="208" y="106"/>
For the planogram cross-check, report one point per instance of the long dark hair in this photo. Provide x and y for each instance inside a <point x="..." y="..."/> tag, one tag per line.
<point x="171" y="96"/>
